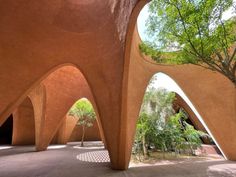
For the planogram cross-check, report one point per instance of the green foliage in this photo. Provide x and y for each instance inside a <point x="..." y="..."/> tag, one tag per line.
<point x="83" y="110"/>
<point x="193" y="32"/>
<point x="193" y="136"/>
<point x="159" y="56"/>
<point x="172" y="57"/>
<point x="158" y="102"/>
<point x="150" y="50"/>
<point x="159" y="127"/>
<point x="156" y="107"/>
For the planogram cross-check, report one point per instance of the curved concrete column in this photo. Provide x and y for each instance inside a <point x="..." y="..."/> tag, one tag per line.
<point x="70" y="125"/>
<point x="60" y="136"/>
<point x="38" y="99"/>
<point x="24" y="124"/>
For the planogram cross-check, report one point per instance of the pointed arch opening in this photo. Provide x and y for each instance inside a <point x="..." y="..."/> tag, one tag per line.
<point x="169" y="124"/>
<point x="24" y="124"/>
<point x="165" y="81"/>
<point x="84" y="132"/>
<point x="63" y="87"/>
<point x="47" y="103"/>
<point x="93" y="132"/>
<point x="74" y="128"/>
<point x="19" y="128"/>
<point x="211" y="94"/>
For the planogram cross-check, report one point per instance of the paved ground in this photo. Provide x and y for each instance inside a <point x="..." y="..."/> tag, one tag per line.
<point x="72" y="161"/>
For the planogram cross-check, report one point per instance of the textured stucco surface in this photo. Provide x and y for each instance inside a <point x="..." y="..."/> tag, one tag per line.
<point x="211" y="94"/>
<point x="23" y="124"/>
<point x="62" y="50"/>
<point x="92" y="133"/>
<point x="70" y="132"/>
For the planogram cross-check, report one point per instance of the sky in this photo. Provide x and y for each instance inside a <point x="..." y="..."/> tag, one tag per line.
<point x="163" y="80"/>
<point x="144" y="15"/>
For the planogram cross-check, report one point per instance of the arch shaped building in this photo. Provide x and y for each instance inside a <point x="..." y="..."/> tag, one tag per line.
<point x="57" y="51"/>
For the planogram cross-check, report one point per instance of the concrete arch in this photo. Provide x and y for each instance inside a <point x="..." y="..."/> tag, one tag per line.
<point x="192" y="116"/>
<point x="165" y="81"/>
<point x="34" y="86"/>
<point x="202" y="86"/>
<point x="181" y="103"/>
<point x="63" y="83"/>
<point x="24" y="124"/>
<point x="63" y="87"/>
<point x="39" y="36"/>
<point x="69" y="124"/>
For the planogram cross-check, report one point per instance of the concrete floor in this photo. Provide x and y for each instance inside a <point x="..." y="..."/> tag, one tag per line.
<point x="73" y="161"/>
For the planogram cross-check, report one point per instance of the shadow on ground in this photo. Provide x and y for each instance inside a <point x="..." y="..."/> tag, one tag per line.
<point x="71" y="161"/>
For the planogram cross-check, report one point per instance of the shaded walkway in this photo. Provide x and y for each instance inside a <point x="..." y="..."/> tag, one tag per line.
<point x="73" y="161"/>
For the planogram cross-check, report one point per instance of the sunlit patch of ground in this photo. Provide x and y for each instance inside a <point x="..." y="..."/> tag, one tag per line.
<point x="160" y="158"/>
<point x="61" y="161"/>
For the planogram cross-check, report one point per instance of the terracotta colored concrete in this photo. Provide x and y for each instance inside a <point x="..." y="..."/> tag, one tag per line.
<point x="60" y="136"/>
<point x="23" y="124"/>
<point x="69" y="132"/>
<point x="61" y="92"/>
<point x="180" y="103"/>
<point x="70" y="125"/>
<point x="212" y="95"/>
<point x="38" y="99"/>
<point x="90" y="48"/>
<point x="65" y="130"/>
<point x="92" y="133"/>
<point x="50" y="34"/>
<point x="63" y="87"/>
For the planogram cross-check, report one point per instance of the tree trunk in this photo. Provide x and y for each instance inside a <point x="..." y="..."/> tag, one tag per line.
<point x="144" y="147"/>
<point x="163" y="150"/>
<point x="82" y="139"/>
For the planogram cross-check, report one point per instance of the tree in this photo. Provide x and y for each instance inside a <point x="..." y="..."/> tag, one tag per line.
<point x="160" y="127"/>
<point x="184" y="136"/>
<point x="149" y="48"/>
<point x="195" y="33"/>
<point x="83" y="110"/>
<point x="143" y="127"/>
<point x="156" y="108"/>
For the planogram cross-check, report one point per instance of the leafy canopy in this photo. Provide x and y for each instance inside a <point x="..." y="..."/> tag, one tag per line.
<point x="194" y="32"/>
<point x="160" y="127"/>
<point x="83" y="110"/>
